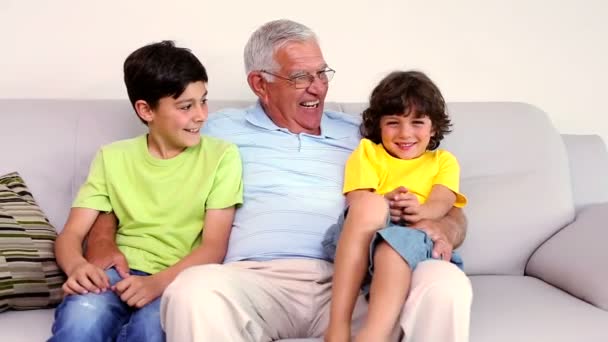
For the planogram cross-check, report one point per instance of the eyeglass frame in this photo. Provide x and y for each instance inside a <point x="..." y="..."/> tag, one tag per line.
<point x="310" y="77"/>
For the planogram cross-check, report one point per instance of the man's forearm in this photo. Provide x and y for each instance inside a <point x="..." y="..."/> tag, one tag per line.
<point x="104" y="229"/>
<point x="454" y="226"/>
<point x="101" y="249"/>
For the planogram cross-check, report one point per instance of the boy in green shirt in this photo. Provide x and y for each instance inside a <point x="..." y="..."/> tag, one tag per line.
<point x="173" y="191"/>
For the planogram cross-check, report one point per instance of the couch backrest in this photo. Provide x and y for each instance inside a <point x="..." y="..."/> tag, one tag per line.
<point x="514" y="166"/>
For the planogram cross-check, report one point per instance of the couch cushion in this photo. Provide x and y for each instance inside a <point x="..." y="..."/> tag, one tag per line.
<point x="26" y="326"/>
<point x="514" y="168"/>
<point x="29" y="276"/>
<point x="516" y="308"/>
<point x="505" y="309"/>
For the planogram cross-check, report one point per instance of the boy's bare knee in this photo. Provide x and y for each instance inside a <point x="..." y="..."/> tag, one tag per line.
<point x="368" y="212"/>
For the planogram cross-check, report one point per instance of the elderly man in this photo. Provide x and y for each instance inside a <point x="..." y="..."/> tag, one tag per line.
<point x="276" y="282"/>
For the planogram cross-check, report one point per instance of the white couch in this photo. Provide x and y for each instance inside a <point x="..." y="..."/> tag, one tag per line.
<point x="538" y="208"/>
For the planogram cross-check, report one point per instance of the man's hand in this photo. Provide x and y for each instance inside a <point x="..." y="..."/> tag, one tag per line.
<point x="442" y="248"/>
<point x="446" y="232"/>
<point x="101" y="248"/>
<point x="137" y="291"/>
<point x="105" y="254"/>
<point x="86" y="278"/>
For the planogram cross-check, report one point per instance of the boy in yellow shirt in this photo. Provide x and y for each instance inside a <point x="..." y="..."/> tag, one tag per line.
<point x="401" y="130"/>
<point x="173" y="191"/>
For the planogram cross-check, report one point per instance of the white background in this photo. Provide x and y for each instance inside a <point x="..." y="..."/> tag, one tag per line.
<point x="553" y="54"/>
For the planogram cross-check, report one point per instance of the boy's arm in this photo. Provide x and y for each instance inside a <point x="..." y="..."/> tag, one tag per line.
<point x="139" y="291"/>
<point x="68" y="252"/>
<point x="440" y="201"/>
<point x="101" y="249"/>
<point x="68" y="246"/>
<point x="218" y="224"/>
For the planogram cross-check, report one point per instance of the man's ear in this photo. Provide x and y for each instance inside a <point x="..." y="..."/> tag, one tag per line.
<point x="144" y="111"/>
<point x="258" y="85"/>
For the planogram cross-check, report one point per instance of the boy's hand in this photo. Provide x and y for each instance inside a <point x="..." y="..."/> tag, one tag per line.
<point x="395" y="203"/>
<point x="404" y="205"/>
<point x="137" y="291"/>
<point x="413" y="211"/>
<point x="86" y="278"/>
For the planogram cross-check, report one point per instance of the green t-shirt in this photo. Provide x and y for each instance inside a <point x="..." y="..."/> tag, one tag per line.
<point x="161" y="203"/>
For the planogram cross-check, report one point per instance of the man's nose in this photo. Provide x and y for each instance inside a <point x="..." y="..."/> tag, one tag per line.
<point x="317" y="86"/>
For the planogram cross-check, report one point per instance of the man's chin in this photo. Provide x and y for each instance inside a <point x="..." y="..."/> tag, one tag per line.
<point x="313" y="127"/>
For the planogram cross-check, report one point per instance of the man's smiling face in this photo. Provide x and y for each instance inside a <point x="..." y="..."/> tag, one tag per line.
<point x="299" y="110"/>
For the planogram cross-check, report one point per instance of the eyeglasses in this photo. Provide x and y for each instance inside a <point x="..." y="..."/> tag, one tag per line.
<point x="305" y="80"/>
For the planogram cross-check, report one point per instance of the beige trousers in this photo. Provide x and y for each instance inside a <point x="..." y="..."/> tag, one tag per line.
<point x="289" y="298"/>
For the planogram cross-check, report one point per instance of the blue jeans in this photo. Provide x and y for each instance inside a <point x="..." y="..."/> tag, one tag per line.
<point x="105" y="317"/>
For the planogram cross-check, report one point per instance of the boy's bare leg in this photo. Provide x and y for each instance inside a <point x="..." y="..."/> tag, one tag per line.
<point x="366" y="215"/>
<point x="389" y="289"/>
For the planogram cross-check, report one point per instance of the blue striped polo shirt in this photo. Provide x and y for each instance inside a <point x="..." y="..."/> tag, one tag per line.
<point x="292" y="182"/>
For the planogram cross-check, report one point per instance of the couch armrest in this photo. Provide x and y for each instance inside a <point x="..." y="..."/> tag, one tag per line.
<point x="588" y="161"/>
<point x="575" y="259"/>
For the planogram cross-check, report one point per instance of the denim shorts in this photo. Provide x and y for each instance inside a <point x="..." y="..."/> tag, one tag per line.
<point x="413" y="245"/>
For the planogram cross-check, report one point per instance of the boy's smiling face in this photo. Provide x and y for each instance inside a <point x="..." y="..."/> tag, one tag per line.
<point x="175" y="123"/>
<point x="406" y="136"/>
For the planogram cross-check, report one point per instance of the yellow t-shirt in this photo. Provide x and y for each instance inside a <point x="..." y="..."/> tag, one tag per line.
<point x="371" y="167"/>
<point x="161" y="203"/>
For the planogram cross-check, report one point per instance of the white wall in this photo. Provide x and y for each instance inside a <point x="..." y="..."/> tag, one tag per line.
<point x="549" y="53"/>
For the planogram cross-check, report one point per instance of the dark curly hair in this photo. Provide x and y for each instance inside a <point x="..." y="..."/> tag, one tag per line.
<point x="406" y="93"/>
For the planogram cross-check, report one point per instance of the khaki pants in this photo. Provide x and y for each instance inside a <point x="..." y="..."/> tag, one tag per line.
<point x="289" y="298"/>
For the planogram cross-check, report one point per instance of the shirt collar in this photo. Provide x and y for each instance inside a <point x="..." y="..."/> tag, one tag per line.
<point x="330" y="127"/>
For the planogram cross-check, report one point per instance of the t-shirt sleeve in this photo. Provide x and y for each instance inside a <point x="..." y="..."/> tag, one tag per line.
<point x="93" y="194"/>
<point x="227" y="188"/>
<point x="449" y="176"/>
<point x="361" y="168"/>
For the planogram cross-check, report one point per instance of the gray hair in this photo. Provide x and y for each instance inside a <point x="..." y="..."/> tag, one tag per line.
<point x="259" y="51"/>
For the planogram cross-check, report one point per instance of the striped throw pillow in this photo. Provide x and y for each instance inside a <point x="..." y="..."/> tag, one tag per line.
<point x="29" y="276"/>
